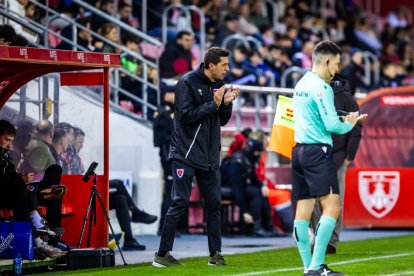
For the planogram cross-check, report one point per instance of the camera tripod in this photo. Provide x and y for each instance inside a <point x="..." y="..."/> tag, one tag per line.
<point x="91" y="212"/>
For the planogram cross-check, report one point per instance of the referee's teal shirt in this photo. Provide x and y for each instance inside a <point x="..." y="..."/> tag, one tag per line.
<point x="315" y="117"/>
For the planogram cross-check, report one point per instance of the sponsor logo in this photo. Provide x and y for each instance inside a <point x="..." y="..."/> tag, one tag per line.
<point x="397" y="100"/>
<point x="53" y="55"/>
<point x="289" y="112"/>
<point x="379" y="191"/>
<point x="5" y="242"/>
<point x="3" y="84"/>
<point x="200" y="91"/>
<point x="215" y="90"/>
<point x="23" y="52"/>
<point x="180" y="173"/>
<point x="81" y="57"/>
<point x="107" y="58"/>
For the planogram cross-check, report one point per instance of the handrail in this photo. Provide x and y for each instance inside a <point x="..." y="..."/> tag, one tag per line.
<point x="367" y="66"/>
<point x="27" y="23"/>
<point x="289" y="71"/>
<point x="118" y="22"/>
<point x="165" y="19"/>
<point x="243" y="39"/>
<point x="202" y="29"/>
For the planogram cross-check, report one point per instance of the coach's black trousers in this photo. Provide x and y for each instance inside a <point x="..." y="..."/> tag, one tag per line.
<point x="209" y="185"/>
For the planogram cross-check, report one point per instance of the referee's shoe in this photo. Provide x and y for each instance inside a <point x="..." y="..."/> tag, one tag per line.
<point x="323" y="271"/>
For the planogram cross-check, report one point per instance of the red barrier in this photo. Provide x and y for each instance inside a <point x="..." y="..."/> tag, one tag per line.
<point x="379" y="197"/>
<point x="78" y="195"/>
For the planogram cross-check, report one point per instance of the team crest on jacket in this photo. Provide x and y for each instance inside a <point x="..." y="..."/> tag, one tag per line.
<point x="180" y="173"/>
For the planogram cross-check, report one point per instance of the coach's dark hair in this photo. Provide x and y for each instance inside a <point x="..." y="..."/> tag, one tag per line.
<point x="6" y="128"/>
<point x="214" y="54"/>
<point x="324" y="48"/>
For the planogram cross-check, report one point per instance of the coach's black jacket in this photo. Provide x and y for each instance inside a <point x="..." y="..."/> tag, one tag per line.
<point x="197" y="120"/>
<point x="345" y="146"/>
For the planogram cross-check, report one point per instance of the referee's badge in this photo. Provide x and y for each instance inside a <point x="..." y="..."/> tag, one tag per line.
<point x="180" y="173"/>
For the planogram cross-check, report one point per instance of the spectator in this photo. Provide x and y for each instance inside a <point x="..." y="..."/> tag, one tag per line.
<point x="13" y="192"/>
<point x="176" y="59"/>
<point x="20" y="41"/>
<point x="239" y="73"/>
<point x="126" y="16"/>
<point x="239" y="142"/>
<point x="263" y="73"/>
<point x="7" y="35"/>
<point x="76" y="165"/>
<point x="107" y="7"/>
<point x="18" y="153"/>
<point x="303" y="58"/>
<point x="354" y="72"/>
<point x="62" y="145"/>
<point x="389" y="76"/>
<point x="244" y="27"/>
<point x="398" y="17"/>
<point x="248" y="192"/>
<point x="38" y="150"/>
<point x="121" y="201"/>
<point x="110" y="32"/>
<point x="229" y="28"/>
<point x="84" y="36"/>
<point x="17" y="7"/>
<point x="132" y="65"/>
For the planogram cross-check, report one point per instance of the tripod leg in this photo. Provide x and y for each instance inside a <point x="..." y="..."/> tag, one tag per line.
<point x="92" y="218"/>
<point x="85" y="218"/>
<point x="109" y="223"/>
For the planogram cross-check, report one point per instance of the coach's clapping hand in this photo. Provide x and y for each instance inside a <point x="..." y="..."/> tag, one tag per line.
<point x="218" y="95"/>
<point x="231" y="95"/>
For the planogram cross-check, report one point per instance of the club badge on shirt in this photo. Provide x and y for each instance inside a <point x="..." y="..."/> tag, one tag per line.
<point x="180" y="173"/>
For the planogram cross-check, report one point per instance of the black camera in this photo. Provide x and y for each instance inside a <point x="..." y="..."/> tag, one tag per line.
<point x="90" y="172"/>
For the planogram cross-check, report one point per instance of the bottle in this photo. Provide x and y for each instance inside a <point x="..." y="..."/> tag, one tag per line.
<point x="17" y="265"/>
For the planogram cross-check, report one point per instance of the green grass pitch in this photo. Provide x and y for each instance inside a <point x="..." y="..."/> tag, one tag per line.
<point x="386" y="256"/>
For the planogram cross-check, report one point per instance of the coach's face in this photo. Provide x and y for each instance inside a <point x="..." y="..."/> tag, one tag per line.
<point x="220" y="70"/>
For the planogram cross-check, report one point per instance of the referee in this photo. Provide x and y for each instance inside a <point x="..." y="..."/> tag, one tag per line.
<point x="314" y="173"/>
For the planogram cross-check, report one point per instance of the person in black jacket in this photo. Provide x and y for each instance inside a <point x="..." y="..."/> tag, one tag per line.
<point x="202" y="105"/>
<point x="163" y="126"/>
<point x="249" y="193"/>
<point x="344" y="150"/>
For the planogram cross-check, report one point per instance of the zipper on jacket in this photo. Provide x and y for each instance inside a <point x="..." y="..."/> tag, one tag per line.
<point x="192" y="143"/>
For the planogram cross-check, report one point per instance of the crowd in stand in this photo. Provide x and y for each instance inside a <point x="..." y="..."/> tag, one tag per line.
<point x="288" y="43"/>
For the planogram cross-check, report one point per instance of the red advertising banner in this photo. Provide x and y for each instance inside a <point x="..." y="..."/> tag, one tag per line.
<point x="379" y="197"/>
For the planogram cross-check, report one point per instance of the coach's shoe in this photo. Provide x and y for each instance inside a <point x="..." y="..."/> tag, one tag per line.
<point x="331" y="249"/>
<point x="216" y="259"/>
<point x="165" y="261"/>
<point x="324" y="271"/>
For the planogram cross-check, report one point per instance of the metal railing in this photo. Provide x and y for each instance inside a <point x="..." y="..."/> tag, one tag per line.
<point x="369" y="59"/>
<point x="270" y="93"/>
<point x="290" y="71"/>
<point x="244" y="40"/>
<point x="187" y="14"/>
<point x="44" y="31"/>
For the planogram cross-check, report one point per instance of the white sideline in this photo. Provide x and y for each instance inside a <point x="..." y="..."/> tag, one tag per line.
<point x="337" y="263"/>
<point x="400" y="273"/>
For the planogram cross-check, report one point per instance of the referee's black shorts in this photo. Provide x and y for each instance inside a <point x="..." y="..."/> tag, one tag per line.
<point x="313" y="171"/>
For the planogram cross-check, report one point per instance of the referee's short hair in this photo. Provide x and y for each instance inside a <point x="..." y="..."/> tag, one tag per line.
<point x="325" y="48"/>
<point x="214" y="55"/>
